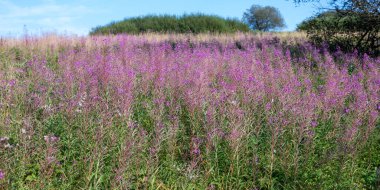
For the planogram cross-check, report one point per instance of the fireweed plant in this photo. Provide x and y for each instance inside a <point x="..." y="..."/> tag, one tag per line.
<point x="181" y="112"/>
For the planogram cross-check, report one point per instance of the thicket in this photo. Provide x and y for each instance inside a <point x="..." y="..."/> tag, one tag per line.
<point x="193" y="23"/>
<point x="349" y="25"/>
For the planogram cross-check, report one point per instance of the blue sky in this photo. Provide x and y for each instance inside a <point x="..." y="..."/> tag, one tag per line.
<point x="79" y="16"/>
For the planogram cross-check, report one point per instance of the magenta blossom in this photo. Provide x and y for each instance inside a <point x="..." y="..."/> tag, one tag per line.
<point x="2" y="175"/>
<point x="314" y="123"/>
<point x="51" y="139"/>
<point x="268" y="106"/>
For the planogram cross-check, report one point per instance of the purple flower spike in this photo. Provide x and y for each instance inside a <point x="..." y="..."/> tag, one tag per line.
<point x="54" y="139"/>
<point x="12" y="83"/>
<point x="2" y="175"/>
<point x="196" y="151"/>
<point x="268" y="106"/>
<point x="314" y="123"/>
<point x="51" y="139"/>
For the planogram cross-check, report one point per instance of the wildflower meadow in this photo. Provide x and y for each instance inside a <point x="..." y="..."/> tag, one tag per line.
<point x="238" y="111"/>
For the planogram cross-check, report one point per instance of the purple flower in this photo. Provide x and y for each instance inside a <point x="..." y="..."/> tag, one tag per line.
<point x="12" y="83"/>
<point x="196" y="151"/>
<point x="311" y="133"/>
<point x="2" y="175"/>
<point x="4" y="139"/>
<point x="152" y="150"/>
<point x="268" y="106"/>
<point x="346" y="110"/>
<point x="314" y="123"/>
<point x="51" y="139"/>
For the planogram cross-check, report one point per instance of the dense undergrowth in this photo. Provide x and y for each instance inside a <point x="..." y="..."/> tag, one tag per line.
<point x="193" y="23"/>
<point x="125" y="112"/>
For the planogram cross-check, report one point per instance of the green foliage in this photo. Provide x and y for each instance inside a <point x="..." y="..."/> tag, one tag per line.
<point x="193" y="23"/>
<point x="263" y="18"/>
<point x="349" y="26"/>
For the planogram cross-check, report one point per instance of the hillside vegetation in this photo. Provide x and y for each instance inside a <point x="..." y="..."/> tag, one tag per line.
<point x="194" y="23"/>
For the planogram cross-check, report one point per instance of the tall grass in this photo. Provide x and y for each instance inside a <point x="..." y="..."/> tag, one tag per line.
<point x="186" y="112"/>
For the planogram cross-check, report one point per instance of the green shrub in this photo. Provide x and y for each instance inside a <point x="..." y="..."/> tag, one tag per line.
<point x="193" y="23"/>
<point x="348" y="31"/>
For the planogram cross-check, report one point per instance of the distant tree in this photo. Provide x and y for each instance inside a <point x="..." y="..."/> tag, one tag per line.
<point x="263" y="18"/>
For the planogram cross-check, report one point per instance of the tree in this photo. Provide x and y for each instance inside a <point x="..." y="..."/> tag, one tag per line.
<point x="347" y="24"/>
<point x="263" y="18"/>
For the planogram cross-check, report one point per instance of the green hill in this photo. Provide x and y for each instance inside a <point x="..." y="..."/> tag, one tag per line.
<point x="193" y="23"/>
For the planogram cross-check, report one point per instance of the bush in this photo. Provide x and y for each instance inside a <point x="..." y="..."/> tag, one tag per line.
<point x="348" y="31"/>
<point x="194" y="23"/>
